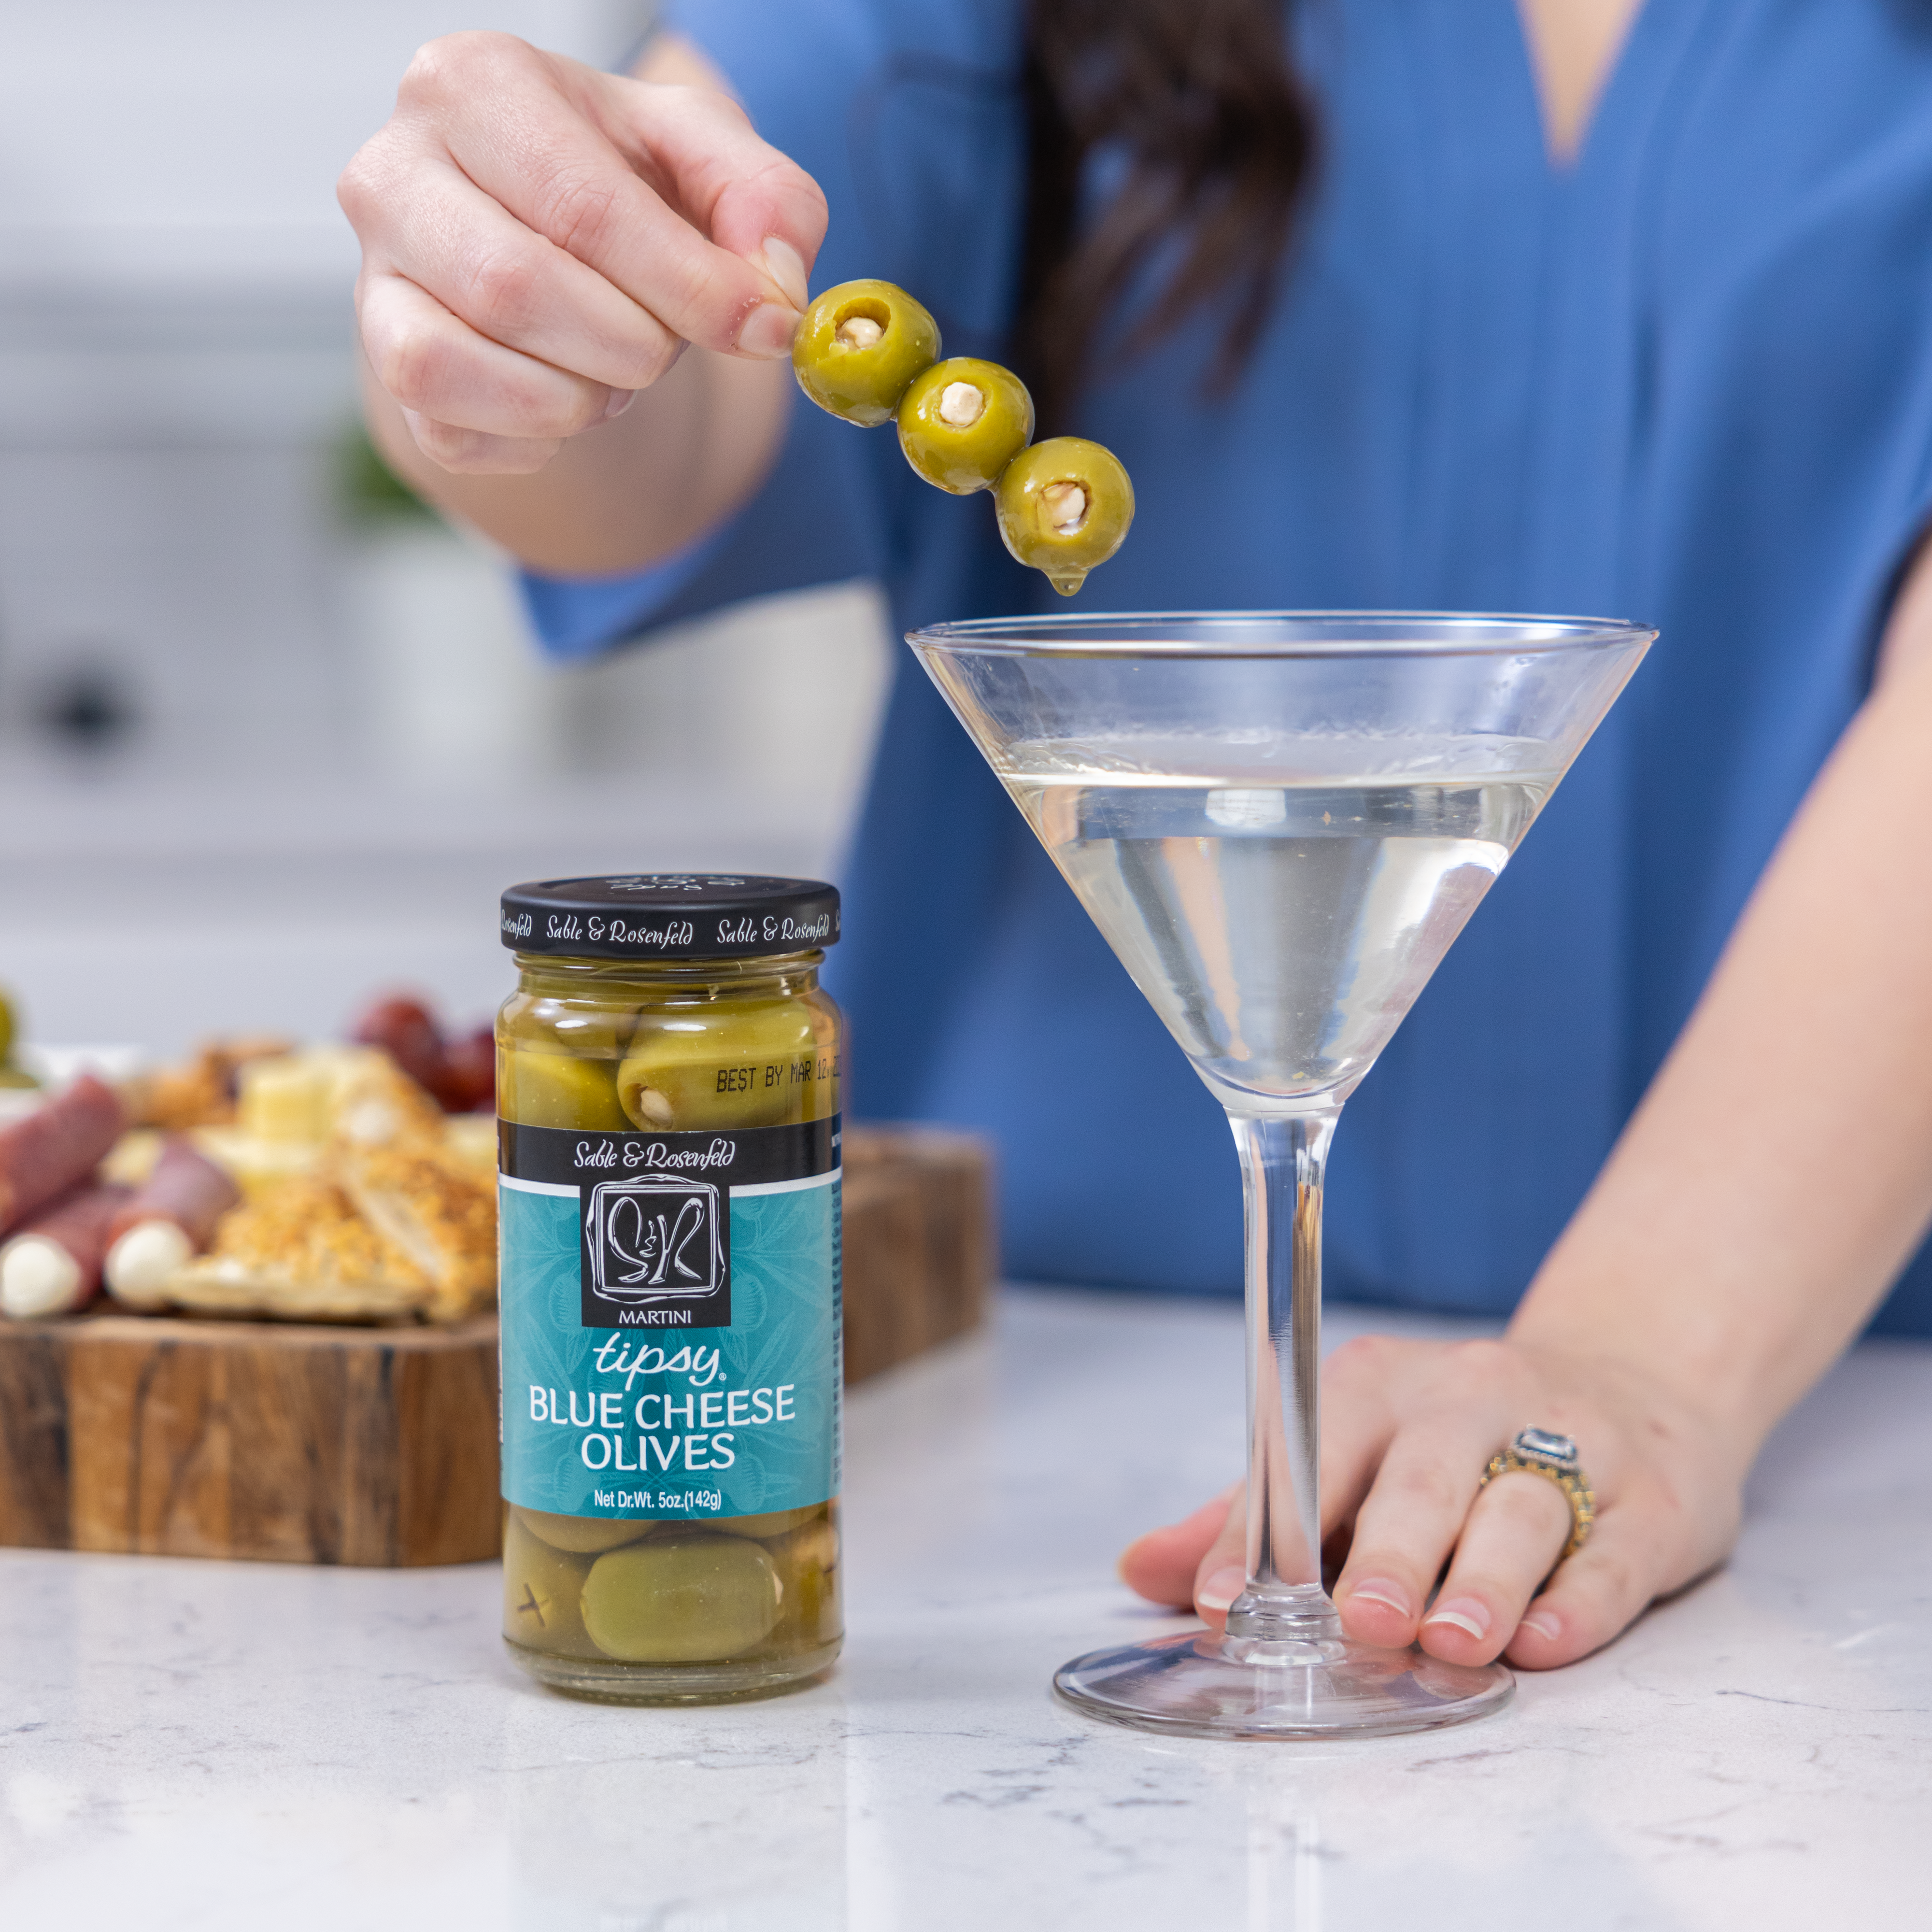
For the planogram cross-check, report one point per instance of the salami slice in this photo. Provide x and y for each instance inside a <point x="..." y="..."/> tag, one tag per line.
<point x="169" y="1220"/>
<point x="56" y="1147"/>
<point x="52" y="1266"/>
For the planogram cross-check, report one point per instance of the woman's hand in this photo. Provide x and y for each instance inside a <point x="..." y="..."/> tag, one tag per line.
<point x="541" y="241"/>
<point x="1407" y="1429"/>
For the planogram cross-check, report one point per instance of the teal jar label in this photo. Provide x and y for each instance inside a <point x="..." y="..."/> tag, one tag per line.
<point x="671" y="1342"/>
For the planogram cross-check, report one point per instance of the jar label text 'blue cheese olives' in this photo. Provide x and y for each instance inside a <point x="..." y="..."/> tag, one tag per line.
<point x="670" y="1320"/>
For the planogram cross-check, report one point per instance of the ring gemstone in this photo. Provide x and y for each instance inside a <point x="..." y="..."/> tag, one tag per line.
<point x="1544" y="1445"/>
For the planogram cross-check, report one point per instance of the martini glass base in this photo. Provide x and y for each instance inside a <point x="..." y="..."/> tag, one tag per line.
<point x="1202" y="1685"/>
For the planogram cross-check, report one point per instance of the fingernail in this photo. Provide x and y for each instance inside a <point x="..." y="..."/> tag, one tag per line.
<point x="1465" y="1613"/>
<point x="1543" y="1626"/>
<point x="621" y="400"/>
<point x="767" y="331"/>
<point x="1222" y="1588"/>
<point x="1379" y="1590"/>
<point x="786" y="267"/>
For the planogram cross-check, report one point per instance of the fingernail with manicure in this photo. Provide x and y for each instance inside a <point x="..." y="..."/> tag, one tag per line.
<point x="1543" y="1626"/>
<point x="768" y="331"/>
<point x="1465" y="1613"/>
<point x="1379" y="1590"/>
<point x="621" y="400"/>
<point x="1222" y="1588"/>
<point x="786" y="267"/>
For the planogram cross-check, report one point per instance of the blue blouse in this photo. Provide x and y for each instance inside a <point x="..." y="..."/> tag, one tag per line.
<point x="1688" y="379"/>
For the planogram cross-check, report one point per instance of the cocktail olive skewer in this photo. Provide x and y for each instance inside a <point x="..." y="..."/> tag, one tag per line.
<point x="1065" y="506"/>
<point x="962" y="421"/>
<point x="868" y="352"/>
<point x="858" y="348"/>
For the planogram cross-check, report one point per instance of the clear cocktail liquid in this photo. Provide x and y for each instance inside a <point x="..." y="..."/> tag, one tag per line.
<point x="1281" y="926"/>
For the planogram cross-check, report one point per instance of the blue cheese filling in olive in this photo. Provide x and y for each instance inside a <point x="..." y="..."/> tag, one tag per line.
<point x="1066" y="505"/>
<point x="961" y="405"/>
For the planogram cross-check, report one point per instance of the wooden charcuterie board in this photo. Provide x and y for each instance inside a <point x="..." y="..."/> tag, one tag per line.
<point x="303" y="1444"/>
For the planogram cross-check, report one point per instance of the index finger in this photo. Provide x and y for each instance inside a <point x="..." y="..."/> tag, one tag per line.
<point x="705" y="157"/>
<point x="575" y="156"/>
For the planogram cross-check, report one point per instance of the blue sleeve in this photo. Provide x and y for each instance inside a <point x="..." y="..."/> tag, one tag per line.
<point x="576" y="617"/>
<point x="907" y="113"/>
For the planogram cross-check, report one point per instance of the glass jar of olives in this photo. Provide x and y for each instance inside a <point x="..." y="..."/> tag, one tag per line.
<point x="668" y="1100"/>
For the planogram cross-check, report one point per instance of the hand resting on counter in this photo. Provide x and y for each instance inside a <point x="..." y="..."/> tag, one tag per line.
<point x="1408" y="1428"/>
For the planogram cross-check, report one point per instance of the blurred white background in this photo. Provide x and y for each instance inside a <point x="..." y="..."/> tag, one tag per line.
<point x="262" y="747"/>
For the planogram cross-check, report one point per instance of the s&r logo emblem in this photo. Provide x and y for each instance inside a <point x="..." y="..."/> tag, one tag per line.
<point x="654" y="1249"/>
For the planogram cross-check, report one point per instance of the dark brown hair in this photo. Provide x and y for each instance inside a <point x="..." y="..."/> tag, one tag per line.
<point x="1216" y="142"/>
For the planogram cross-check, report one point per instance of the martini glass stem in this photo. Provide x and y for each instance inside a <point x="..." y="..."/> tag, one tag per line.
<point x="1284" y="1608"/>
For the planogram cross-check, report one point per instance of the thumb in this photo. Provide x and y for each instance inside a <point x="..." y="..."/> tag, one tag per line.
<point x="1222" y="1573"/>
<point x="1164" y="1565"/>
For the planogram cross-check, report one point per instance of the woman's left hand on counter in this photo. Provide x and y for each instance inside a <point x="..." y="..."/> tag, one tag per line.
<point x="1408" y="1430"/>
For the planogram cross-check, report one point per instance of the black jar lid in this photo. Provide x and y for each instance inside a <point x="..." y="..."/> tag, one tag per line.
<point x="671" y="916"/>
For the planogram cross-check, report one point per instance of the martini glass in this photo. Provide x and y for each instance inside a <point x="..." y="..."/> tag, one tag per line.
<point x="1280" y="821"/>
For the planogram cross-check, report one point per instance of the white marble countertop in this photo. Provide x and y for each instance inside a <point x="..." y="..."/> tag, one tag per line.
<point x="206" y="1745"/>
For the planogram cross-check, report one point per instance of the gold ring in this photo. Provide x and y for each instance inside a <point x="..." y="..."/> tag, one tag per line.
<point x="1541" y="1452"/>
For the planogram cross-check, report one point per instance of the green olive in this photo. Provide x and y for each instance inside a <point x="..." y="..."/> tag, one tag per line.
<point x="583" y="1535"/>
<point x="759" y="1064"/>
<point x="7" y="1026"/>
<point x="1065" y="506"/>
<point x="808" y="1563"/>
<point x="962" y="421"/>
<point x="682" y="1599"/>
<point x="557" y="1090"/>
<point x="859" y="345"/>
<point x="590" y="1030"/>
<point x="542" y="1586"/>
<point x="777" y="1523"/>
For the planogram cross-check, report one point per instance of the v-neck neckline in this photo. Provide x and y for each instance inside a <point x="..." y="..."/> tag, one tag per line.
<point x="1526" y="264"/>
<point x="1647" y="53"/>
<point x="1561" y="166"/>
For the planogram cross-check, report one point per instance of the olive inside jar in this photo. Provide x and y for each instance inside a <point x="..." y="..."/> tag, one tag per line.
<point x="668" y="1079"/>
